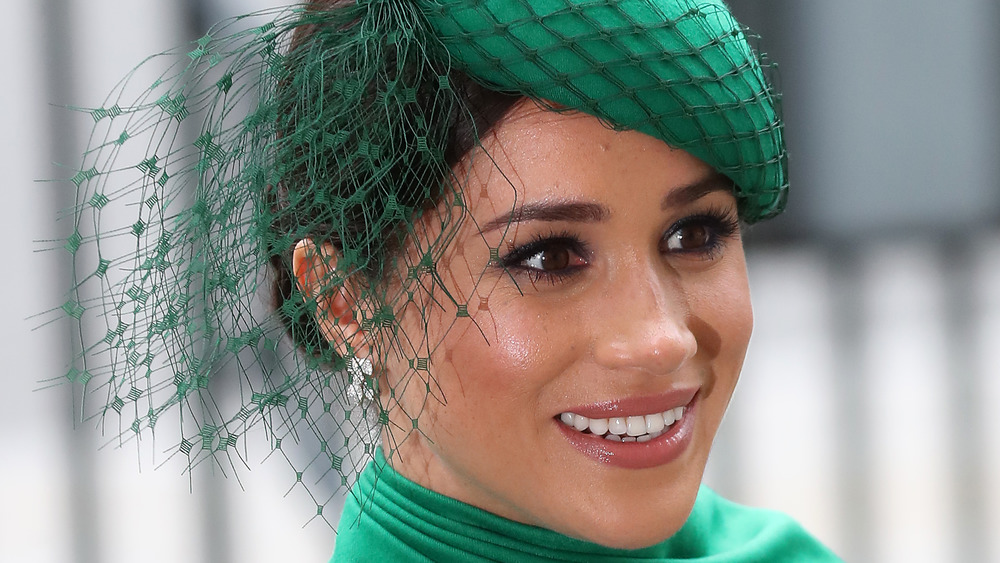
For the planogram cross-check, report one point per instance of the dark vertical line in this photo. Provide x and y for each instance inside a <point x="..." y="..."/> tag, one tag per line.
<point x="853" y="447"/>
<point x="60" y="86"/>
<point x="215" y="523"/>
<point x="964" y="383"/>
<point x="993" y="67"/>
<point x="196" y="17"/>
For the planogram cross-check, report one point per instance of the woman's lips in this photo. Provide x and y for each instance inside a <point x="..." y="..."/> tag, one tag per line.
<point x="645" y="443"/>
<point x="637" y="405"/>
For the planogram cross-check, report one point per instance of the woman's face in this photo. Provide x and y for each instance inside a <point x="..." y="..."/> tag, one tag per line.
<point x="616" y="297"/>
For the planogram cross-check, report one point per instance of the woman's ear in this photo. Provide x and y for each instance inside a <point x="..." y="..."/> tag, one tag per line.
<point x="314" y="267"/>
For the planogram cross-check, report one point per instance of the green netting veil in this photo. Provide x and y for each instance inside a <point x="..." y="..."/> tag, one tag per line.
<point x="337" y="125"/>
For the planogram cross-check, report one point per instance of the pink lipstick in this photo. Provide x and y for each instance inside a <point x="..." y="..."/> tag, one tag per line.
<point x="633" y="433"/>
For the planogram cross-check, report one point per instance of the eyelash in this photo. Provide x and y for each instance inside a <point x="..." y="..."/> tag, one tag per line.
<point x="722" y="225"/>
<point x="515" y="259"/>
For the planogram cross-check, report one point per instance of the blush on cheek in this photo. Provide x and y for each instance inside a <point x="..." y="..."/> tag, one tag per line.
<point x="517" y="351"/>
<point x="510" y="354"/>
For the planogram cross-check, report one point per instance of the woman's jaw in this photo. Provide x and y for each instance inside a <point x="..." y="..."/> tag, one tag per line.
<point x="625" y="495"/>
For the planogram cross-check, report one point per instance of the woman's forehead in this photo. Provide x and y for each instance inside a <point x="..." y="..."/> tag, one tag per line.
<point x="536" y="154"/>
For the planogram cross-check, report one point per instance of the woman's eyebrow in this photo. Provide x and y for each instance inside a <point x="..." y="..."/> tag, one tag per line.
<point x="684" y="195"/>
<point x="573" y="211"/>
<point x="586" y="212"/>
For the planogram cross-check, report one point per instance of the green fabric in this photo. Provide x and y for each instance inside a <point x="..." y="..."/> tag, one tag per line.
<point x="682" y="71"/>
<point x="402" y="522"/>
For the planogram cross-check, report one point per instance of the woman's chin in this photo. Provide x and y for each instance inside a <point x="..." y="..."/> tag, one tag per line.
<point x="632" y="529"/>
<point x="625" y="538"/>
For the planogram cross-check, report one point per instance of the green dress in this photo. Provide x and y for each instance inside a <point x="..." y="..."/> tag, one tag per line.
<point x="404" y="522"/>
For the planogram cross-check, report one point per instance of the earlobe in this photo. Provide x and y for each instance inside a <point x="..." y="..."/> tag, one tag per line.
<point x="314" y="267"/>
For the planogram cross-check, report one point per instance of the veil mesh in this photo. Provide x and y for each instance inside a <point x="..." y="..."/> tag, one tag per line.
<point x="196" y="187"/>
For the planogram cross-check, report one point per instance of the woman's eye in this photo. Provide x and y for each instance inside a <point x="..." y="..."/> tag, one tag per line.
<point x="700" y="235"/>
<point x="688" y="238"/>
<point x="550" y="259"/>
<point x="547" y="257"/>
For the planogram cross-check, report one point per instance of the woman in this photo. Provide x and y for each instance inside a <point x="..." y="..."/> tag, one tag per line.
<point x="505" y="237"/>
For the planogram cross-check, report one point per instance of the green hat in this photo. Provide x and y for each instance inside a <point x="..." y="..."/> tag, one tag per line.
<point x="680" y="71"/>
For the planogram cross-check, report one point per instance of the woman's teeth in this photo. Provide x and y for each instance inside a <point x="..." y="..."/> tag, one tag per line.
<point x="625" y="428"/>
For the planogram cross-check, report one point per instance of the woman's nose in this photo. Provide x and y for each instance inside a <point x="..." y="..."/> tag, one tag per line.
<point x="646" y="325"/>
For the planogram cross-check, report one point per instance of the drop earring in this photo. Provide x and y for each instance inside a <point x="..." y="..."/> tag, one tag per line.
<point x="359" y="373"/>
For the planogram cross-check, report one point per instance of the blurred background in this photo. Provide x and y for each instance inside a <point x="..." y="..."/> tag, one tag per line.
<point x="868" y="405"/>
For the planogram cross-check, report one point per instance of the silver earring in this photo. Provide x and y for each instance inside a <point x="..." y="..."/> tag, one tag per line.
<point x="359" y="388"/>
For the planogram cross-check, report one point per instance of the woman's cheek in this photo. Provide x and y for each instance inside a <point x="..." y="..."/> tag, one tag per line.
<point x="518" y="351"/>
<point x="722" y="320"/>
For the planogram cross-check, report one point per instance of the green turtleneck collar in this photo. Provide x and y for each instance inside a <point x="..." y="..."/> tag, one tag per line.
<point x="401" y="521"/>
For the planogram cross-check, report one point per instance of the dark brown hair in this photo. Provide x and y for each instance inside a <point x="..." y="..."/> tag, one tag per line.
<point x="478" y="111"/>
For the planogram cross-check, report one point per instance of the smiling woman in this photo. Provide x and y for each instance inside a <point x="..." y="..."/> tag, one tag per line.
<point x="603" y="311"/>
<point x="505" y="238"/>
